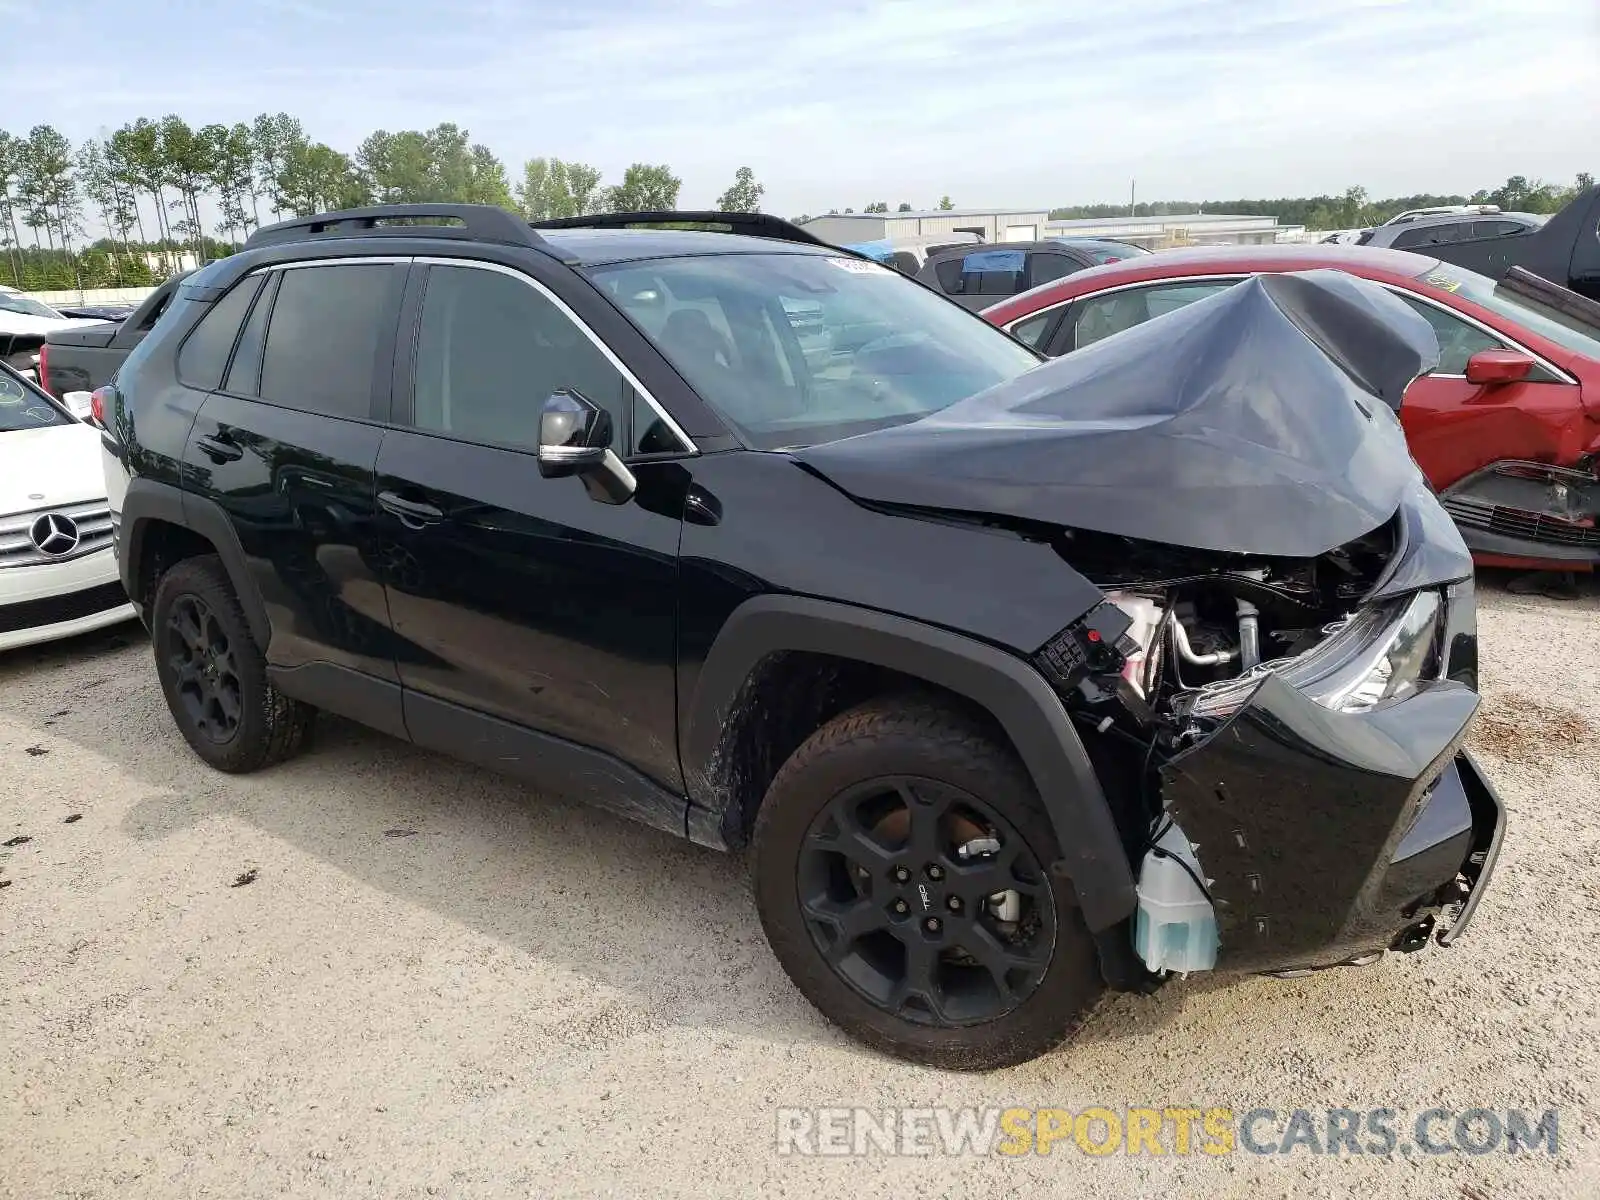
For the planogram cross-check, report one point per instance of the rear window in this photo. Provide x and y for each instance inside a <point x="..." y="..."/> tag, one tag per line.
<point x="984" y="273"/>
<point x="322" y="346"/>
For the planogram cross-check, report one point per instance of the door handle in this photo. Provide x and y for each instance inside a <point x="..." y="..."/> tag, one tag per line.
<point x="413" y="514"/>
<point x="219" y="449"/>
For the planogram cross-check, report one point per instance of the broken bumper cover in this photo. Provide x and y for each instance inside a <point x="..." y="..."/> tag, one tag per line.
<point x="1528" y="512"/>
<point x="1330" y="835"/>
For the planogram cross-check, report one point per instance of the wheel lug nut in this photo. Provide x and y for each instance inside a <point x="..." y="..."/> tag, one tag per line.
<point x="953" y="904"/>
<point x="932" y="924"/>
<point x="935" y="872"/>
<point x="901" y="907"/>
<point x="901" y="875"/>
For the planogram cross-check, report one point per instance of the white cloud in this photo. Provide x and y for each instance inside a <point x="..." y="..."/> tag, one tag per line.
<point x="840" y="102"/>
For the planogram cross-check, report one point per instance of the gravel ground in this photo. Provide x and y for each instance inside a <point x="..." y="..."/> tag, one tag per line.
<point x="435" y="984"/>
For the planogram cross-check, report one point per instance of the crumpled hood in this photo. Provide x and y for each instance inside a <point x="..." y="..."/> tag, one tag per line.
<point x="1259" y="420"/>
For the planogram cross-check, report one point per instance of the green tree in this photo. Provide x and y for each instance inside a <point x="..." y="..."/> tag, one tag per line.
<point x="904" y="207"/>
<point x="552" y="188"/>
<point x="10" y="176"/>
<point x="1585" y="181"/>
<point x="441" y="164"/>
<point x="187" y="157"/>
<point x="645" y="188"/>
<point x="399" y="167"/>
<point x="138" y="146"/>
<point x="273" y="138"/>
<point x="317" y="178"/>
<point x="231" y="175"/>
<point x="880" y="206"/>
<point x="745" y="194"/>
<point x="583" y="188"/>
<point x="48" y="186"/>
<point x="97" y="173"/>
<point x="945" y="204"/>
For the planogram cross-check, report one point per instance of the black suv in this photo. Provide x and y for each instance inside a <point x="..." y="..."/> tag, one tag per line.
<point x="1020" y="680"/>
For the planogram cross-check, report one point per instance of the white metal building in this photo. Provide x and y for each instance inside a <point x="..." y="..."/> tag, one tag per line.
<point x="1184" y="229"/>
<point x="990" y="224"/>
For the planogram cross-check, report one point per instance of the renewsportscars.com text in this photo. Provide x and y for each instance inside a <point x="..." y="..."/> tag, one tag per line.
<point x="1164" y="1130"/>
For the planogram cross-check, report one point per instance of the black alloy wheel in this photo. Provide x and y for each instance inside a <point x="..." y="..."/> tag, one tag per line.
<point x="926" y="901"/>
<point x="214" y="675"/>
<point x="204" y="673"/>
<point x="901" y="861"/>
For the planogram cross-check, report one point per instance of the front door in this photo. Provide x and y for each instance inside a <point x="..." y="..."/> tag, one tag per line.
<point x="1455" y="427"/>
<point x="536" y="626"/>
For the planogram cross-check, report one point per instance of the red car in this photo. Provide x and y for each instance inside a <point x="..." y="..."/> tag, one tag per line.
<point x="1507" y="429"/>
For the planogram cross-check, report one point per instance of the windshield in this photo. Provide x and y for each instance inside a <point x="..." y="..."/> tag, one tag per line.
<point x="26" y="305"/>
<point x="796" y="349"/>
<point x="1567" y="332"/>
<point x="23" y="408"/>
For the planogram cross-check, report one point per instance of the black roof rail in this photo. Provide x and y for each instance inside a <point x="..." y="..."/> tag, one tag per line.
<point x="748" y="224"/>
<point x="477" y="222"/>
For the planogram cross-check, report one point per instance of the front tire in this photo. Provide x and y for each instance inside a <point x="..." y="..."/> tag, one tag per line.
<point x="214" y="676"/>
<point x="901" y="863"/>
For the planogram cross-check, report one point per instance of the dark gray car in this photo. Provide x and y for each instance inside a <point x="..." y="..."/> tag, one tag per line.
<point x="977" y="276"/>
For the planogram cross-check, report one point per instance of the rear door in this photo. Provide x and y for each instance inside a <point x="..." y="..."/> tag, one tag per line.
<point x="286" y="443"/>
<point x="536" y="625"/>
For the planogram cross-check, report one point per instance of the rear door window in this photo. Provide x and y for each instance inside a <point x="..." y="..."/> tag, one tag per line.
<point x="1100" y="316"/>
<point x="329" y="325"/>
<point x="205" y="352"/>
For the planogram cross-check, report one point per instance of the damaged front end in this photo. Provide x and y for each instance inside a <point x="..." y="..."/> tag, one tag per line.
<point x="1277" y="685"/>
<point x="1302" y="783"/>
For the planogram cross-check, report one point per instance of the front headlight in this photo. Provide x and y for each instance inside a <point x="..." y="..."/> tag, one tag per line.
<point x="1382" y="653"/>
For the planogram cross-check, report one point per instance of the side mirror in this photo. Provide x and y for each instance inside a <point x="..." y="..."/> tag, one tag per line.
<point x="79" y="404"/>
<point x="1490" y="367"/>
<point x="575" y="439"/>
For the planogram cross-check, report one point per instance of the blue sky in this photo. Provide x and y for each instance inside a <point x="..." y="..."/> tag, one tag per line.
<point x="843" y="102"/>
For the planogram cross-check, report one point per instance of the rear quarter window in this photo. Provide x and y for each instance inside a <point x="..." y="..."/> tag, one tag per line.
<point x="204" y="354"/>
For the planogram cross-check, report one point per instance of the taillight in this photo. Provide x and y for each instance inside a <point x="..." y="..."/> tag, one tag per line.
<point x="44" y="368"/>
<point x="97" y="404"/>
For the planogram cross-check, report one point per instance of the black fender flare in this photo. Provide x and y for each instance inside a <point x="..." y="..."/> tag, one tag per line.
<point x="1007" y="687"/>
<point x="148" y="500"/>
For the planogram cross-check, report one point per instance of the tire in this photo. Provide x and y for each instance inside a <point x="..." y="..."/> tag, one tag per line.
<point x="933" y="751"/>
<point x="230" y="715"/>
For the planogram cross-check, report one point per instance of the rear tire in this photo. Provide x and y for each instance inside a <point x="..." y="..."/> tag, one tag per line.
<point x="214" y="676"/>
<point x="841" y="919"/>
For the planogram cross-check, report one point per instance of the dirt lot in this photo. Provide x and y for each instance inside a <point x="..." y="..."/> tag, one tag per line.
<point x="373" y="972"/>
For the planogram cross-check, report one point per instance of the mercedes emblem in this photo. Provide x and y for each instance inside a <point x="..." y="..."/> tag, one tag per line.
<point x="54" y="534"/>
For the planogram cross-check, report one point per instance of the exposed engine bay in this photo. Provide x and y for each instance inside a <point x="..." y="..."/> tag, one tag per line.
<point x="1201" y="618"/>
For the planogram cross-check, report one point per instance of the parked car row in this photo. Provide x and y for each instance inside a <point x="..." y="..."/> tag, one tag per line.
<point x="25" y="322"/>
<point x="1001" y="666"/>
